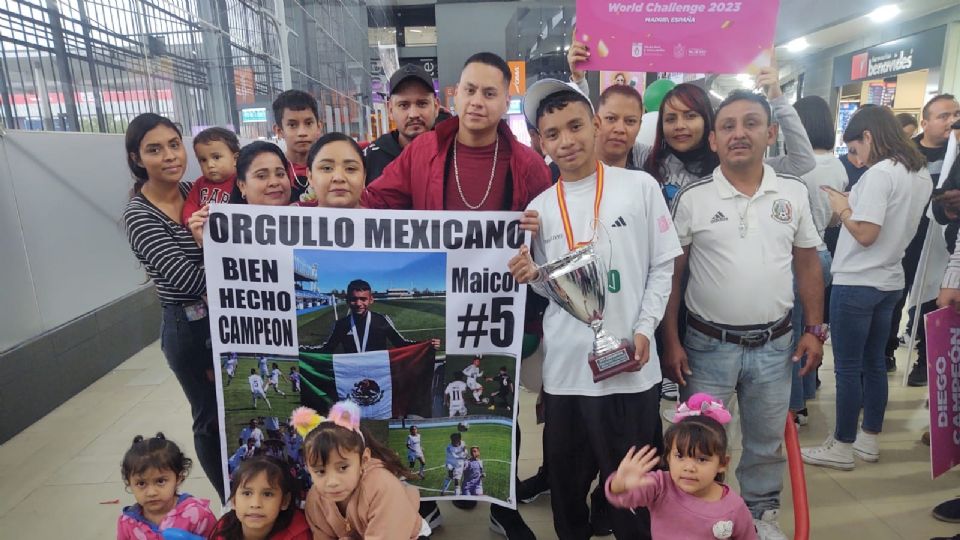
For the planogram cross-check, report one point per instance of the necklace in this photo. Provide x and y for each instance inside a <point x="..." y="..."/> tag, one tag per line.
<point x="743" y="219"/>
<point x="456" y="174"/>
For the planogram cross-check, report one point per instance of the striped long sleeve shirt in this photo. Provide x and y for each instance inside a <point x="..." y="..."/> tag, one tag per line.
<point x="167" y="250"/>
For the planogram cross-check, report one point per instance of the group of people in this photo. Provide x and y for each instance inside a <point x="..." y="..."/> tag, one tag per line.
<point x="721" y="261"/>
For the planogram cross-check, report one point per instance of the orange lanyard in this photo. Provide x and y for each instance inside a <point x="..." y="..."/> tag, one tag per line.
<point x="565" y="214"/>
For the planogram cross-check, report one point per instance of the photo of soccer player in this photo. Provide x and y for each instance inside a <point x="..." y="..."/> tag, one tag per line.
<point x="365" y="323"/>
<point x="259" y="410"/>
<point x="456" y="456"/>
<point x="450" y="447"/>
<point x="473" y="473"/>
<point x="484" y="382"/>
<point x="453" y="396"/>
<point x="415" y="451"/>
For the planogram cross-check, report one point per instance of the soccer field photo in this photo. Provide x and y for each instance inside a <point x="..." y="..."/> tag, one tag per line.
<point x="482" y="387"/>
<point x="238" y="396"/>
<point x="407" y="288"/>
<point x="492" y="437"/>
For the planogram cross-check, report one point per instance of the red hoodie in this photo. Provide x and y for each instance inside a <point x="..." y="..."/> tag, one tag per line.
<point x="415" y="180"/>
<point x="298" y="529"/>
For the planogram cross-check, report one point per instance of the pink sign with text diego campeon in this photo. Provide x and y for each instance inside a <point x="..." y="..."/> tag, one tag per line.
<point x="943" y="374"/>
<point x="677" y="36"/>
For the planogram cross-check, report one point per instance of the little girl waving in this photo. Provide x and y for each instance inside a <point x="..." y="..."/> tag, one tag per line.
<point x="689" y="501"/>
<point x="263" y="496"/>
<point x="153" y="470"/>
<point x="357" y="492"/>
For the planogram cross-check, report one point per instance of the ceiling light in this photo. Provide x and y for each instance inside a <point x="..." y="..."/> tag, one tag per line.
<point x="715" y="94"/>
<point x="744" y="77"/>
<point x="798" y="44"/>
<point x="884" y="13"/>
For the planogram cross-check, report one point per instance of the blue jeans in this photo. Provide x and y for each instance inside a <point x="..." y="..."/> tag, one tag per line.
<point x="860" y="318"/>
<point x="186" y="345"/>
<point x="761" y="379"/>
<point x="805" y="387"/>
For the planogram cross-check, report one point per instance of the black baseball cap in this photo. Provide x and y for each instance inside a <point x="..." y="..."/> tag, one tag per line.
<point x="407" y="72"/>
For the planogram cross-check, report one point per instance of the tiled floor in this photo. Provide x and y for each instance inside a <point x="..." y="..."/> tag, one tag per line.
<point x="60" y="477"/>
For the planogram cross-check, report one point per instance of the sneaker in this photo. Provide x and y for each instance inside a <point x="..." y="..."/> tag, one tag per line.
<point x="767" y="526"/>
<point x="918" y="375"/>
<point x="948" y="511"/>
<point x="867" y="447"/>
<point x="801" y="417"/>
<point x="509" y="524"/>
<point x="465" y="505"/>
<point x="891" y="364"/>
<point x="669" y="390"/>
<point x="431" y="514"/>
<point x="832" y="453"/>
<point x="528" y="490"/>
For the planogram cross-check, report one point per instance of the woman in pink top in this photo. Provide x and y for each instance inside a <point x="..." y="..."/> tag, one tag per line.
<point x="688" y="501"/>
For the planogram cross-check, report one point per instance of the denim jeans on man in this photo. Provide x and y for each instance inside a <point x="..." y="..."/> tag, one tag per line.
<point x="805" y="387"/>
<point x="761" y="379"/>
<point x="860" y="324"/>
<point x="186" y="345"/>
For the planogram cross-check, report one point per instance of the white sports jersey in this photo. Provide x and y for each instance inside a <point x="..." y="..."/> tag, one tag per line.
<point x="413" y="443"/>
<point x="256" y="383"/>
<point x="639" y="241"/>
<point x="472" y="372"/>
<point x="263" y="364"/>
<point x="455" y="391"/>
<point x="456" y="454"/>
<point x="275" y="376"/>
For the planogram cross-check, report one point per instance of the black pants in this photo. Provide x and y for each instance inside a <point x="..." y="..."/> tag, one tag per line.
<point x="586" y="435"/>
<point x="186" y="345"/>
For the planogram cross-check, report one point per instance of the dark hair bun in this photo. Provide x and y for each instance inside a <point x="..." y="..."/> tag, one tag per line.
<point x="138" y="438"/>
<point x="160" y="436"/>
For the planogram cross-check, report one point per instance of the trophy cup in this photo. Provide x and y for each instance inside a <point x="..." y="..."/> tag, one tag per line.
<point x="577" y="283"/>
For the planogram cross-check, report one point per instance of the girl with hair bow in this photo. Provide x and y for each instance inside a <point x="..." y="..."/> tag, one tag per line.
<point x="357" y="492"/>
<point x="689" y="500"/>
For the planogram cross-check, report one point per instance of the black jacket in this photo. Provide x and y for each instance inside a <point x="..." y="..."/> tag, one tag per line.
<point x="380" y="153"/>
<point x="383" y="335"/>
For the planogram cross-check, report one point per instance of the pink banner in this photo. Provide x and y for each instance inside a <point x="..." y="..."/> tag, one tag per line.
<point x="680" y="36"/>
<point x="943" y="372"/>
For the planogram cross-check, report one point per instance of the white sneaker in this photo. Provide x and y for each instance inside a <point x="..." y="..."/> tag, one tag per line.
<point x="767" y="526"/>
<point x="832" y="453"/>
<point x="867" y="447"/>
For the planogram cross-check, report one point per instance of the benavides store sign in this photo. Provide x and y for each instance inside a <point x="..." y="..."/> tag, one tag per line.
<point x="911" y="53"/>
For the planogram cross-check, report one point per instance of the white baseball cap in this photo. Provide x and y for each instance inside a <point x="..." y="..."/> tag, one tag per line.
<point x="542" y="89"/>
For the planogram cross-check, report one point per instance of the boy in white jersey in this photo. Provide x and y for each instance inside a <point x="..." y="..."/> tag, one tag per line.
<point x="256" y="388"/>
<point x="230" y="366"/>
<point x="591" y="425"/>
<point x="456" y="455"/>
<point x="262" y="364"/>
<point x="415" y="450"/>
<point x="275" y="376"/>
<point x="473" y="372"/>
<point x="453" y="396"/>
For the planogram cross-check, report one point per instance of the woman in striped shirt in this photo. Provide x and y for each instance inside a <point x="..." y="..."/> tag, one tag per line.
<point x="173" y="260"/>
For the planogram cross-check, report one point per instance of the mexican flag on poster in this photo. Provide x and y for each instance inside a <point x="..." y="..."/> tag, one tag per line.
<point x="385" y="384"/>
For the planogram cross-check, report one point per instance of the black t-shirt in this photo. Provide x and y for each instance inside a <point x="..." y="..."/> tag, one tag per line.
<point x="935" y="157"/>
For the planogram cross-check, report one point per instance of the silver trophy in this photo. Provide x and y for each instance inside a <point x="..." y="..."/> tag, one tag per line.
<point x="577" y="282"/>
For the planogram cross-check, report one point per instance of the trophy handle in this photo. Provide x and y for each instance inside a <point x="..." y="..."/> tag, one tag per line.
<point x="597" y="224"/>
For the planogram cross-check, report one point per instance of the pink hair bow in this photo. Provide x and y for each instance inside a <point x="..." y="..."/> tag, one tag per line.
<point x="345" y="414"/>
<point x="705" y="405"/>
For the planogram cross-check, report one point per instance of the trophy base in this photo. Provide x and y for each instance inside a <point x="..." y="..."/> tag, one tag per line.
<point x="613" y="362"/>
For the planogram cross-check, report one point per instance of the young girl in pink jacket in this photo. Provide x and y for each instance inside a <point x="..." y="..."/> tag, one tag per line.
<point x="357" y="492"/>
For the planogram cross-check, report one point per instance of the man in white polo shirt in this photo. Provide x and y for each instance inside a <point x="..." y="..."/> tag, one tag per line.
<point x="746" y="230"/>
